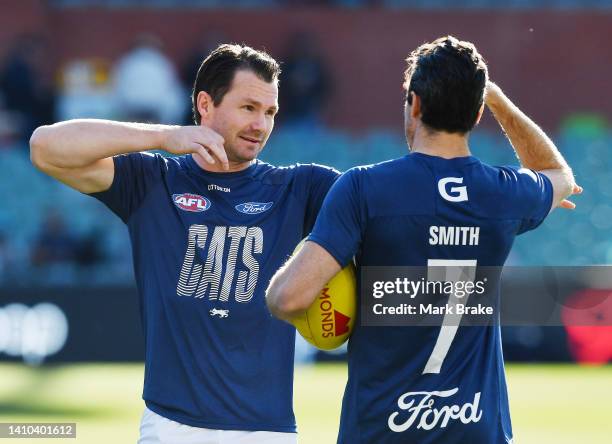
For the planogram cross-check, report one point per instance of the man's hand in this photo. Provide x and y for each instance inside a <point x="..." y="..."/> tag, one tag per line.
<point x="198" y="140"/>
<point x="566" y="203"/>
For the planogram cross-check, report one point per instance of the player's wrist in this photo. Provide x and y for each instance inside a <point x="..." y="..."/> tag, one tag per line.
<point x="493" y="95"/>
<point x="162" y="135"/>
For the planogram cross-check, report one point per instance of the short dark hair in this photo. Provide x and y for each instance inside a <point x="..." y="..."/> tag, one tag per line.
<point x="450" y="77"/>
<point x="217" y="71"/>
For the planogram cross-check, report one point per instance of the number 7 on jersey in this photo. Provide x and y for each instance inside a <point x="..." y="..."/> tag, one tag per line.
<point x="448" y="270"/>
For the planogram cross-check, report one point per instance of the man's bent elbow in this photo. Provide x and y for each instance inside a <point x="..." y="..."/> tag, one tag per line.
<point x="284" y="304"/>
<point x="38" y="145"/>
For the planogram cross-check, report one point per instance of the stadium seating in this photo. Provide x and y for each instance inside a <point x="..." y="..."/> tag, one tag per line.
<point x="565" y="238"/>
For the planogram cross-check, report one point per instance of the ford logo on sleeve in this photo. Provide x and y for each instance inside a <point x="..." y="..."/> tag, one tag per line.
<point x="254" y="207"/>
<point x="191" y="202"/>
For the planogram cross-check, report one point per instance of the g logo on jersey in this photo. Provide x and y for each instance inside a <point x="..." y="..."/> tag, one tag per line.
<point x="459" y="193"/>
<point x="191" y="202"/>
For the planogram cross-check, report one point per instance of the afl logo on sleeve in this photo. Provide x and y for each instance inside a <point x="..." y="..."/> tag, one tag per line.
<point x="191" y="202"/>
<point x="451" y="193"/>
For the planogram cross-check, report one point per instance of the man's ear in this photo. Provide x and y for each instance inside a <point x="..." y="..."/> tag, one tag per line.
<point x="480" y="112"/>
<point x="205" y="105"/>
<point x="415" y="106"/>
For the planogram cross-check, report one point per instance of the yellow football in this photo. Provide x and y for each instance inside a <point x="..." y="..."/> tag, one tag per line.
<point x="329" y="321"/>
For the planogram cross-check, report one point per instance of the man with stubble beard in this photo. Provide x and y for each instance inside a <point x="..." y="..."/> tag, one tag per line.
<point x="209" y="226"/>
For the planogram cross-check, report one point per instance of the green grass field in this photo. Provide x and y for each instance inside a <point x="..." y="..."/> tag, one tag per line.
<point x="550" y="403"/>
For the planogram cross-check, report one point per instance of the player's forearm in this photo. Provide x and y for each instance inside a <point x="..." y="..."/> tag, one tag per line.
<point x="533" y="147"/>
<point x="79" y="143"/>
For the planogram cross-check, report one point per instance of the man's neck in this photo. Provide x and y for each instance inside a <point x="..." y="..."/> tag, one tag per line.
<point x="217" y="168"/>
<point x="440" y="144"/>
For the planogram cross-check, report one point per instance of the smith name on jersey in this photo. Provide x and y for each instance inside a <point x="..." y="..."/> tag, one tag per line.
<point x="205" y="246"/>
<point x="425" y="384"/>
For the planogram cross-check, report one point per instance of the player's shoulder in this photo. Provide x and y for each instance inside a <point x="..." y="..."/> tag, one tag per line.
<point x="513" y="174"/>
<point x="144" y="162"/>
<point x="274" y="174"/>
<point x="141" y="156"/>
<point x="286" y="174"/>
<point x="314" y="169"/>
<point x="505" y="192"/>
<point x="381" y="172"/>
<point x="506" y="178"/>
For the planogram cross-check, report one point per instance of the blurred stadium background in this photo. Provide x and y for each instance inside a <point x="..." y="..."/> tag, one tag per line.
<point x="69" y="325"/>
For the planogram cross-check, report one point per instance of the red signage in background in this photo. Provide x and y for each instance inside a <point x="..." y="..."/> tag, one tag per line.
<point x="587" y="317"/>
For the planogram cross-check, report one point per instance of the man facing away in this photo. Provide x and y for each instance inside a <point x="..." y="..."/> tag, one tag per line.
<point x="430" y="384"/>
<point x="208" y="229"/>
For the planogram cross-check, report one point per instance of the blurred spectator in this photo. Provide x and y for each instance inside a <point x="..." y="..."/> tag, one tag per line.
<point x="85" y="91"/>
<point x="305" y="83"/>
<point x="9" y="133"/>
<point x="55" y="244"/>
<point x="6" y="258"/>
<point x="25" y="85"/>
<point x="146" y="84"/>
<point x="89" y="249"/>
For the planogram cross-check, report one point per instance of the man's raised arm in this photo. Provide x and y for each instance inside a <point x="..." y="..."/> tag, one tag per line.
<point x="533" y="147"/>
<point x="79" y="152"/>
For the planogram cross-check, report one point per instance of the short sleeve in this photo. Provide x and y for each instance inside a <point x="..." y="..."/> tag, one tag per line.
<point x="135" y="174"/>
<point x="321" y="180"/>
<point x="341" y="222"/>
<point x="533" y="192"/>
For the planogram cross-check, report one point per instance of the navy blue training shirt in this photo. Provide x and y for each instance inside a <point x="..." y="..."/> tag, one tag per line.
<point x="205" y="247"/>
<point x="403" y="385"/>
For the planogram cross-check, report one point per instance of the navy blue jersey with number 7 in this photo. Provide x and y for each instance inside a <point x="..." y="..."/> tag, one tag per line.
<point x="428" y="384"/>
